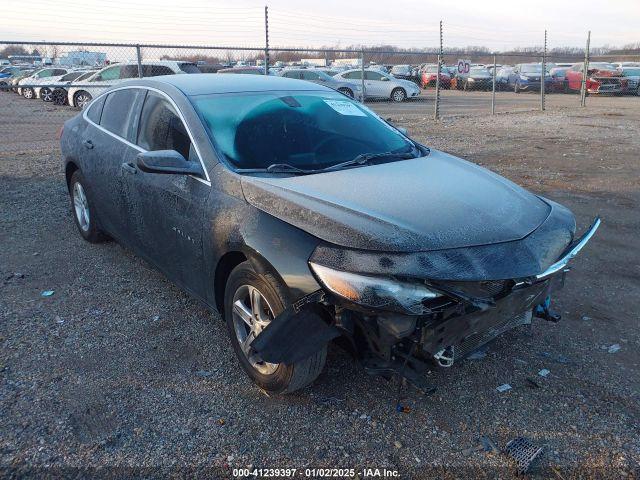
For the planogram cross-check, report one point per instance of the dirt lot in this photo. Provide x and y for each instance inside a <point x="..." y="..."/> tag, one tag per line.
<point x="118" y="368"/>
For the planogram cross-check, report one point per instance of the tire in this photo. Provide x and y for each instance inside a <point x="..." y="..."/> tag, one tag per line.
<point x="347" y="91"/>
<point x="59" y="97"/>
<point x="398" y="95"/>
<point x="243" y="282"/>
<point x="28" y="93"/>
<point x="81" y="99"/>
<point x="84" y="214"/>
<point x="46" y="94"/>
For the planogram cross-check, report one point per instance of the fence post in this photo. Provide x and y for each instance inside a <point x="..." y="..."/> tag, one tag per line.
<point x="362" y="70"/>
<point x="266" y="40"/>
<point x="543" y="72"/>
<point x="139" y="55"/>
<point x="436" y="111"/>
<point x="493" y="90"/>
<point x="585" y="67"/>
<point x="326" y="58"/>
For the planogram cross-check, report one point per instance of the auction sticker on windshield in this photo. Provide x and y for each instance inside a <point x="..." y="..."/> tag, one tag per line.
<point x="344" y="107"/>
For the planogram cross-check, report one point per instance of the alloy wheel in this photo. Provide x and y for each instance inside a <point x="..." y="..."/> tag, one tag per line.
<point x="398" y="95"/>
<point x="251" y="314"/>
<point x="27" y="93"/>
<point x="46" y="94"/>
<point x="82" y="100"/>
<point x="81" y="206"/>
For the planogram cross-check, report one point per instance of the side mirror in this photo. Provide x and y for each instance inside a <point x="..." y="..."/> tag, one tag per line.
<point x="385" y="79"/>
<point x="167" y="162"/>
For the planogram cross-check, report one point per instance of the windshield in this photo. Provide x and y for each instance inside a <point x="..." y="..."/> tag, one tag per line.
<point x="308" y="130"/>
<point x="531" y="68"/>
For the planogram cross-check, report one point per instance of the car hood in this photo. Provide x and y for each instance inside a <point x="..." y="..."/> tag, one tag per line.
<point x="428" y="203"/>
<point x="405" y="83"/>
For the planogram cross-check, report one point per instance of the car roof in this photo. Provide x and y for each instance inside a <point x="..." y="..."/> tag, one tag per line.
<point x="211" y="83"/>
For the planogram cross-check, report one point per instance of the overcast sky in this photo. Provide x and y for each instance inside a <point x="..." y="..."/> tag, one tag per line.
<point x="498" y="25"/>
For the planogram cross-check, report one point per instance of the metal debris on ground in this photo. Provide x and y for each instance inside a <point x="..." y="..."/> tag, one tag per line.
<point x="504" y="388"/>
<point x="614" y="348"/>
<point x="544" y="372"/>
<point x="47" y="293"/>
<point x="488" y="445"/>
<point x="524" y="452"/>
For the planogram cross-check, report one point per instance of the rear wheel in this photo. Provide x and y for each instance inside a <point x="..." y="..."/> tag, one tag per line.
<point x="46" y="95"/>
<point x="84" y="213"/>
<point x="59" y="97"/>
<point x="81" y="99"/>
<point x="251" y="302"/>
<point x="347" y="91"/>
<point x="398" y="95"/>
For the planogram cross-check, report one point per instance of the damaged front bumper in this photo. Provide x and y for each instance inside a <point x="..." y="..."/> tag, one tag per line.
<point x="455" y="317"/>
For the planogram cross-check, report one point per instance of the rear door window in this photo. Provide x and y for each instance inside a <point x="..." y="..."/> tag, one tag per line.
<point x="161" y="128"/>
<point x="156" y="70"/>
<point x="189" y="68"/>
<point x="121" y="110"/>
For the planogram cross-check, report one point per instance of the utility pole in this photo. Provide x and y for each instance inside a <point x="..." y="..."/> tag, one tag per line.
<point x="544" y="71"/>
<point x="585" y="68"/>
<point x="436" y="112"/>
<point x="266" y="40"/>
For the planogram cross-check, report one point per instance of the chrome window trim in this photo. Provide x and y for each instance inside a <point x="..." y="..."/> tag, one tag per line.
<point x="137" y="147"/>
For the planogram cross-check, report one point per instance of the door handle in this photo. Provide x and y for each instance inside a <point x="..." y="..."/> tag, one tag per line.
<point x="88" y="144"/>
<point x="129" y="168"/>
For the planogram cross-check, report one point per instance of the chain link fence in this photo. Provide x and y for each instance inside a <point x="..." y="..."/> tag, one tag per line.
<point x="431" y="84"/>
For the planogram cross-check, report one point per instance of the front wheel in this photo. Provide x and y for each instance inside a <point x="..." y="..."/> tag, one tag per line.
<point x="84" y="213"/>
<point x="251" y="302"/>
<point x="346" y="91"/>
<point x="46" y="95"/>
<point x="398" y="95"/>
<point x="28" y="93"/>
<point x="82" y="99"/>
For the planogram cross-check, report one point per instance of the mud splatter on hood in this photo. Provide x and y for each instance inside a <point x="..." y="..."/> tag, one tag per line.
<point x="429" y="203"/>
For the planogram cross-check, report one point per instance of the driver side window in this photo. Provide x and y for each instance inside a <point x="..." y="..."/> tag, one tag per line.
<point x="162" y="129"/>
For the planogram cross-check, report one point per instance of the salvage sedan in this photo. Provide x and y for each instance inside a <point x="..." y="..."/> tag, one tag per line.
<point x="304" y="218"/>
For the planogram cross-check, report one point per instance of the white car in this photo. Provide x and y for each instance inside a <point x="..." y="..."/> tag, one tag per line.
<point x="378" y="84"/>
<point x="41" y="76"/>
<point x="46" y="92"/>
<point x="80" y="95"/>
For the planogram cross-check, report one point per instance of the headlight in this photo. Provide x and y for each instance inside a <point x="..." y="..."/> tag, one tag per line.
<point x="375" y="292"/>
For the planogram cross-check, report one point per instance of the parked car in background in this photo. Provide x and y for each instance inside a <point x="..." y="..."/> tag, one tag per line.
<point x="406" y="72"/>
<point x="528" y="77"/>
<point x="79" y="96"/>
<point x="378" y="84"/>
<point x="46" y="92"/>
<point x="602" y="77"/>
<point x="7" y="73"/>
<point x="429" y="74"/>
<point x="59" y="95"/>
<point x="244" y="70"/>
<point x="502" y="77"/>
<point x="632" y="75"/>
<point x="559" y="79"/>
<point x="352" y="90"/>
<point x="211" y="68"/>
<point x="26" y="85"/>
<point x="478" y="78"/>
<point x="12" y="82"/>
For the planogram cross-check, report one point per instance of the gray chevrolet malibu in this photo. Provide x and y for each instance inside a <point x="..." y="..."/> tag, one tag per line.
<point x="304" y="219"/>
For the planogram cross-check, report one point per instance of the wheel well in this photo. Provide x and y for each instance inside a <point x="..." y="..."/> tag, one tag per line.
<point x="69" y="171"/>
<point x="227" y="263"/>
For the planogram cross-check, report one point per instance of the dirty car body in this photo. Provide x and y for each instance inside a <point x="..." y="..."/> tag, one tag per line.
<point x="331" y="223"/>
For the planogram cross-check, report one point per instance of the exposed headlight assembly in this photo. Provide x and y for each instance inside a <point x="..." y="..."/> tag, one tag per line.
<point x="375" y="292"/>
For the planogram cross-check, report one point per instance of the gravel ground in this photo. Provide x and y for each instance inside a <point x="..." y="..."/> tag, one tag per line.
<point x="120" y="370"/>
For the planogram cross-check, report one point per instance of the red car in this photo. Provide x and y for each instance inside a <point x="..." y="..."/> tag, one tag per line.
<point x="602" y="77"/>
<point x="430" y="74"/>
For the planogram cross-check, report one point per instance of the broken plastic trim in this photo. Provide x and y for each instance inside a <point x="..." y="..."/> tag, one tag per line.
<point x="562" y="263"/>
